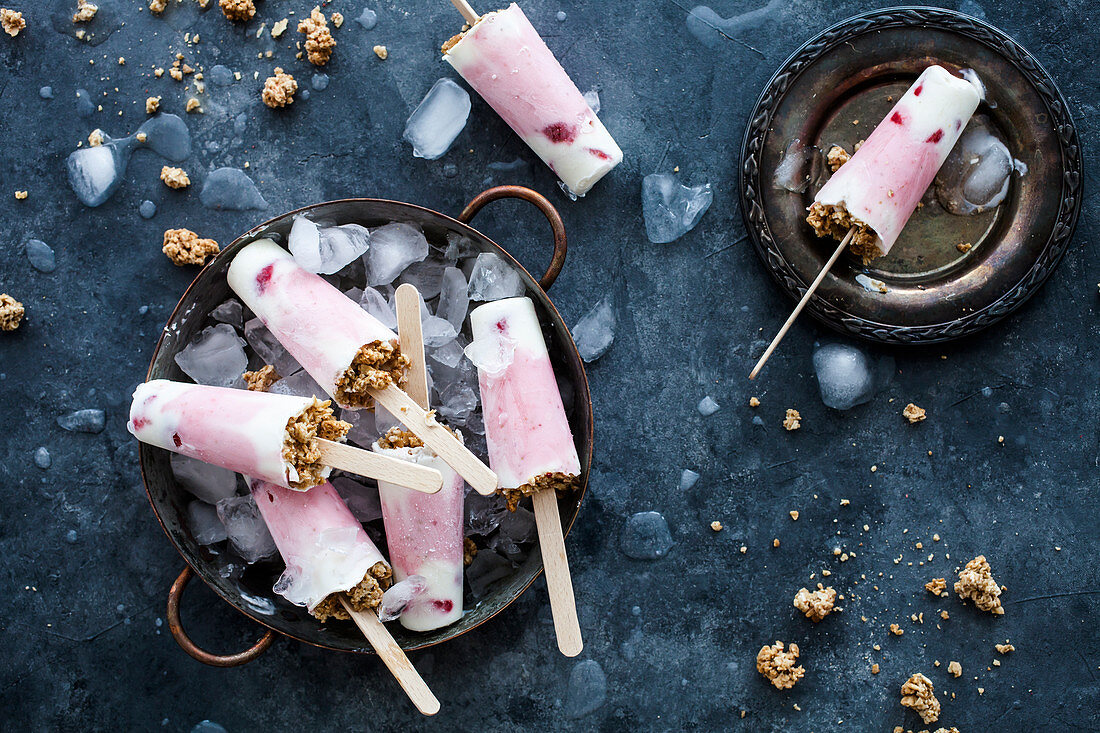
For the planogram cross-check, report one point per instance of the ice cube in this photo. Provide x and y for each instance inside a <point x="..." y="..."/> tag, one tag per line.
<point x="399" y="596"/>
<point x="487" y="568"/>
<point x="246" y="529"/>
<point x="394" y="247"/>
<point x="361" y="500"/>
<point x="375" y="303"/>
<point x="368" y="19"/>
<point x="594" y="333"/>
<point x="459" y="247"/>
<point x="587" y="689"/>
<point x="519" y="526"/>
<point x="453" y="298"/>
<point x="83" y="421"/>
<point x="95" y="173"/>
<point x="848" y="376"/>
<point x="493" y="279"/>
<point x="42" y="458"/>
<point x="688" y="478"/>
<point x="230" y="189"/>
<point x="383" y="421"/>
<point x="457" y="401"/>
<point x="646" y="536"/>
<point x="268" y="348"/>
<point x="670" y="209"/>
<point x="205" y="481"/>
<point x="362" y="426"/>
<point x="437" y="332"/>
<point x="40" y="255"/>
<point x="483" y="513"/>
<point x="425" y="276"/>
<point x="793" y="174"/>
<point x="231" y="312"/>
<point x="215" y="357"/>
<point x="328" y="249"/>
<point x="449" y="354"/>
<point x="707" y="406"/>
<point x="491" y="355"/>
<point x="299" y="384"/>
<point x="205" y="525"/>
<point x="437" y="120"/>
<point x="592" y="97"/>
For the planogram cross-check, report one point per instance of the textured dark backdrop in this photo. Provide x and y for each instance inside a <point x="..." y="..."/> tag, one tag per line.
<point x="86" y="568"/>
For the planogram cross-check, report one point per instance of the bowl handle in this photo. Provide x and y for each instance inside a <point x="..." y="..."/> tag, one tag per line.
<point x="547" y="209"/>
<point x="181" y="637"/>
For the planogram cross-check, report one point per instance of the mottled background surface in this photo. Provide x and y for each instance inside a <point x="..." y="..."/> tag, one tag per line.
<point x="86" y="569"/>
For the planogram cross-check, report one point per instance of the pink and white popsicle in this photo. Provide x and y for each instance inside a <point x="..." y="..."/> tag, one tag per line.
<point x="236" y="429"/>
<point x="424" y="537"/>
<point x="503" y="58"/>
<point x="882" y="183"/>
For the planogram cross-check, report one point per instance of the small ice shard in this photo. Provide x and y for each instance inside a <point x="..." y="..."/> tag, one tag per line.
<point x="42" y="458"/>
<point x="368" y="19"/>
<point x="95" y="173"/>
<point x="246" y="529"/>
<point x="587" y="689"/>
<point x="688" y="478"/>
<point x="487" y="568"/>
<point x="375" y="303"/>
<point x="793" y="174"/>
<point x="83" y="421"/>
<point x="459" y="247"/>
<point x="646" y="536"/>
<point x="594" y="333"/>
<point x="394" y="247"/>
<point x="362" y="500"/>
<point x="399" y="596"/>
<point x="299" y="384"/>
<point x="206" y="526"/>
<point x="45" y="92"/>
<point x="231" y="312"/>
<point x="454" y="299"/>
<point x="847" y="376"/>
<point x="230" y="189"/>
<point x="592" y="97"/>
<point x="707" y="406"/>
<point x="40" y="255"/>
<point x="215" y="357"/>
<point x="561" y="16"/>
<point x="437" y="120"/>
<point x="203" y="480"/>
<point x="871" y="285"/>
<point x="977" y="174"/>
<point x="493" y="279"/>
<point x="326" y="250"/>
<point x="670" y="209"/>
<point x="492" y="356"/>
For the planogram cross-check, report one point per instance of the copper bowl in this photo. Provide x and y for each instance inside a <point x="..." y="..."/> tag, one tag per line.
<point x="251" y="593"/>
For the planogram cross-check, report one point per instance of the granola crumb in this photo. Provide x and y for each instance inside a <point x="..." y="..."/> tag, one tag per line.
<point x="400" y="438"/>
<point x="469" y="550"/>
<point x="793" y="421"/>
<point x="875" y="668"/>
<point x="363" y="597"/>
<point x="158" y="6"/>
<point x="176" y="73"/>
<point x="152" y="104"/>
<point x="184" y="247"/>
<point x="845" y="502"/>
<point x="21" y="195"/>
<point x="301" y="450"/>
<point x="775" y="542"/>
<point x="913" y="414"/>
<point x="377" y="365"/>
<point x="743" y="549"/>
<point x="1005" y="648"/>
<point x="193" y="105"/>
<point x="836" y="157"/>
<point x="174" y="177"/>
<point x="237" y="9"/>
<point x="778" y="665"/>
<point x="158" y="72"/>
<point x="337" y="20"/>
<point x="381" y="52"/>
<point x="95" y="138"/>
<point x="976" y="583"/>
<point x="85" y="11"/>
<point x="834" y="221"/>
<point x="716" y="526"/>
<point x="945" y="615"/>
<point x="918" y="694"/>
<point x="261" y="379"/>
<point x="279" y="27"/>
<point x="896" y="630"/>
<point x="954" y="669"/>
<point x="279" y="89"/>
<point x="11" y="312"/>
<point x="12" y="22"/>
<point x="754" y="402"/>
<point x="964" y="247"/>
<point x="319" y="41"/>
<point x="794" y="514"/>
<point x="937" y="586"/>
<point x="817" y="604"/>
<point x="141" y="137"/>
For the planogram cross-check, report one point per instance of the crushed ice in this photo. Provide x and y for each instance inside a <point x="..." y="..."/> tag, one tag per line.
<point x="671" y="209"/>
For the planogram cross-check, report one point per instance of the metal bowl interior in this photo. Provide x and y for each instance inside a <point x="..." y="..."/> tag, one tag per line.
<point x="250" y="592"/>
<point x="834" y="91"/>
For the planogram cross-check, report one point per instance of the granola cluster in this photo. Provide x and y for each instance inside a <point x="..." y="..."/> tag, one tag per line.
<point x="279" y="89"/>
<point x="158" y="6"/>
<point x="976" y="583"/>
<point x="11" y="312"/>
<point x="917" y="694"/>
<point x="152" y="104"/>
<point x="12" y="22"/>
<point x="835" y="221"/>
<point x="363" y="597"/>
<point x="914" y="414"/>
<point x="301" y="449"/>
<point x="174" y="177"/>
<point x="836" y="157"/>
<point x="793" y="420"/>
<point x="779" y="665"/>
<point x="319" y="41"/>
<point x="469" y="550"/>
<point x="85" y="11"/>
<point x="815" y="604"/>
<point x="377" y="365"/>
<point x="261" y="379"/>
<point x="937" y="586"/>
<point x="398" y="438"/>
<point x="238" y="9"/>
<point x="184" y="247"/>
<point x="561" y="482"/>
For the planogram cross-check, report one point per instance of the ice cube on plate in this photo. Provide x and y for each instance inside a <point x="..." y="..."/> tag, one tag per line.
<point x="594" y="332"/>
<point x="457" y="401"/>
<point x="483" y="513"/>
<point x="670" y="209"/>
<point x="246" y="529"/>
<point x="399" y="595"/>
<point x="326" y="249"/>
<point x="394" y="247"/>
<point x="437" y="120"/>
<point x="493" y="279"/>
<point x="205" y="525"/>
<point x="268" y="348"/>
<point x="449" y="354"/>
<point x="437" y="332"/>
<point x="426" y="276"/>
<point x="215" y="357"/>
<point x="205" y="481"/>
<point x="519" y="526"/>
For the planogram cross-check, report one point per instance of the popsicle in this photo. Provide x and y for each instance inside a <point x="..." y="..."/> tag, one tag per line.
<point x="879" y="188"/>
<point x="346" y="350"/>
<point x="530" y="444"/>
<point x="284" y="440"/>
<point x="503" y="58"/>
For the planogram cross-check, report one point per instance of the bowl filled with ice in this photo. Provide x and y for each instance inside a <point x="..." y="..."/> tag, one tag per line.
<point x="365" y="248"/>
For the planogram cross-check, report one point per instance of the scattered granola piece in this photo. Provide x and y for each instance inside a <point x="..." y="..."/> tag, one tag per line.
<point x="775" y="542"/>
<point x="11" y="312"/>
<point x="913" y="414"/>
<point x="21" y="195"/>
<point x="203" y="4"/>
<point x="12" y="22"/>
<point x="261" y="379"/>
<point x="1005" y="648"/>
<point x="845" y="502"/>
<point x="141" y="137"/>
<point x="836" y="157"/>
<point x="793" y="421"/>
<point x="184" y="247"/>
<point x="319" y="41"/>
<point x="158" y="72"/>
<point x="896" y="630"/>
<point x="121" y="60"/>
<point x="976" y="583"/>
<point x="174" y="177"/>
<point x="937" y="586"/>
<point x="716" y="526"/>
<point x="794" y="514"/>
<point x="917" y="694"/>
<point x="753" y="402"/>
<point x="964" y="247"/>
<point x="381" y="52"/>
<point x="279" y="28"/>
<point x="469" y="550"/>
<point x="945" y="615"/>
<point x="815" y="604"/>
<point x="954" y="669"/>
<point x="279" y="89"/>
<point x="337" y="20"/>
<point x="152" y="104"/>
<point x="237" y="9"/>
<point x="778" y="666"/>
<point x="85" y="11"/>
<point x="95" y="138"/>
<point x="875" y="668"/>
<point x="193" y="105"/>
<point x="158" y="6"/>
<point x="744" y="549"/>
<point x="175" y="73"/>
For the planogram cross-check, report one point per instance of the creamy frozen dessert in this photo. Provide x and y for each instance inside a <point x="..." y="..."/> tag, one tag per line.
<point x="530" y="444"/>
<point x="325" y="549"/>
<point x="267" y="436"/>
<point x="503" y="58"/>
<point x="877" y="190"/>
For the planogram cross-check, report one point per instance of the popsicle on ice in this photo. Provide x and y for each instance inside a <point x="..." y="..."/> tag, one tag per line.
<point x="878" y="189"/>
<point x="267" y="436"/>
<point x="325" y="549"/>
<point x="530" y="444"/>
<point x="503" y="58"/>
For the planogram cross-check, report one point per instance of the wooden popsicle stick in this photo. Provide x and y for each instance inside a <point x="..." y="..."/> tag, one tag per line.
<point x="563" y="605"/>
<point x="394" y="658"/>
<point x="411" y="335"/>
<point x="468" y="13"/>
<point x="384" y="468"/>
<point x="441" y="440"/>
<point x="802" y="303"/>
